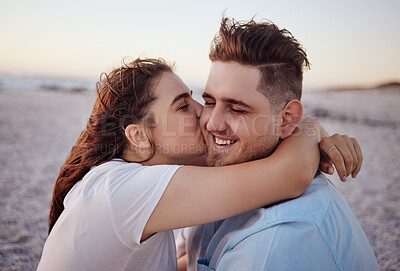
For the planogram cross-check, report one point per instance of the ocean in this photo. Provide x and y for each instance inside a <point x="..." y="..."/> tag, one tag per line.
<point x="18" y="84"/>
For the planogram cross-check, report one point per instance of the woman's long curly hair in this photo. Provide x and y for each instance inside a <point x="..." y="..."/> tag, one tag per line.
<point x="124" y="97"/>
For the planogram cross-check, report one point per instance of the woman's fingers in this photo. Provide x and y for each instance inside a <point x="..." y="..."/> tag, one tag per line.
<point x="328" y="148"/>
<point x="339" y="162"/>
<point x="350" y="147"/>
<point x="344" y="152"/>
<point x="326" y="168"/>
<point x="325" y="165"/>
<point x="342" y="147"/>
<point x="360" y="158"/>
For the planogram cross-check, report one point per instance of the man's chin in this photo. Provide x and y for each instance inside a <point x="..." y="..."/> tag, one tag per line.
<point x="215" y="163"/>
<point x="218" y="158"/>
<point x="215" y="160"/>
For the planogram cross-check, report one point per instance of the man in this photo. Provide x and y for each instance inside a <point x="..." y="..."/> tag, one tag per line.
<point x="252" y="103"/>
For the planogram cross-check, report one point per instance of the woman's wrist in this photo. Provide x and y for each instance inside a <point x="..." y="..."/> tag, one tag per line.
<point x="310" y="127"/>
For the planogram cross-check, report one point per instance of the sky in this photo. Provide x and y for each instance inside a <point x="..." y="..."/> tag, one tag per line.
<point x="347" y="42"/>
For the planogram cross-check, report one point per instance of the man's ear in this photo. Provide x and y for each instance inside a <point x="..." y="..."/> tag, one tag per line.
<point x="137" y="136"/>
<point x="289" y="117"/>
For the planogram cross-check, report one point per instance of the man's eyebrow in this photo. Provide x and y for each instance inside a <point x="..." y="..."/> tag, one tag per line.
<point x="181" y="96"/>
<point x="206" y="95"/>
<point x="237" y="102"/>
<point x="229" y="100"/>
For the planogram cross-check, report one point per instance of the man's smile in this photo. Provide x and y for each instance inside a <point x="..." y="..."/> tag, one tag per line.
<point x="222" y="143"/>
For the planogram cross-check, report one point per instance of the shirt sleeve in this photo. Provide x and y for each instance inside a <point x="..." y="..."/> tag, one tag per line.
<point x="287" y="246"/>
<point x="133" y="194"/>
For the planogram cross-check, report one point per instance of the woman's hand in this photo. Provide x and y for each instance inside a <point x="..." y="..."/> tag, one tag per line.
<point x="342" y="151"/>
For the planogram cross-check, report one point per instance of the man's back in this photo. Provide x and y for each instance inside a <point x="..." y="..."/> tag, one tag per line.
<point x="317" y="231"/>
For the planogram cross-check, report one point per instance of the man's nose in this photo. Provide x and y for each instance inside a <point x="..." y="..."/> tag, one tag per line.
<point x="217" y="121"/>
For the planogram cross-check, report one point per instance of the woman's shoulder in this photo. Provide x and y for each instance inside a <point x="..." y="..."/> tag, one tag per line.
<point x="117" y="167"/>
<point x="120" y="178"/>
<point x="111" y="167"/>
<point x="118" y="172"/>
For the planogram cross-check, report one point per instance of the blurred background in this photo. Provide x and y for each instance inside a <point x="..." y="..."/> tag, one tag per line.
<point x="52" y="53"/>
<point x="349" y="43"/>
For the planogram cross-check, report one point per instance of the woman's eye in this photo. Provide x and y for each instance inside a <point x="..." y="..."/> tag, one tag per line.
<point x="209" y="103"/>
<point x="184" y="107"/>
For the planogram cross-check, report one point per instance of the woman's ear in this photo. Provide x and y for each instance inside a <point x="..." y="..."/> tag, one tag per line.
<point x="290" y="117"/>
<point x="137" y="136"/>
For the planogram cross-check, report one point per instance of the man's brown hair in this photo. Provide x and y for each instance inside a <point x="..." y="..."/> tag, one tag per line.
<point x="275" y="52"/>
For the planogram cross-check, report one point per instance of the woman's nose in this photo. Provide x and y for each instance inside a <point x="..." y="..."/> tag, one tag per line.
<point x="198" y="109"/>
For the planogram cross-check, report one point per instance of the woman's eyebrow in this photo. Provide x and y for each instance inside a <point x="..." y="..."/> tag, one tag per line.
<point x="180" y="96"/>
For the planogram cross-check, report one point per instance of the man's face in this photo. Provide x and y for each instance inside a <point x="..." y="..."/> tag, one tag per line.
<point x="237" y="121"/>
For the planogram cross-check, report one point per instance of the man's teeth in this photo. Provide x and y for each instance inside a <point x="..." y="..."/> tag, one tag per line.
<point x="224" y="142"/>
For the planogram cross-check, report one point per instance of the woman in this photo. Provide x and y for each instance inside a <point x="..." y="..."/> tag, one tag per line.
<point x="120" y="192"/>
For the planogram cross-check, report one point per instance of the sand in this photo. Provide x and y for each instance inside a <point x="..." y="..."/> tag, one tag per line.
<point x="37" y="131"/>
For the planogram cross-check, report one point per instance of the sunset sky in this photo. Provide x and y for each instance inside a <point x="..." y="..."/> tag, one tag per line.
<point x="348" y="42"/>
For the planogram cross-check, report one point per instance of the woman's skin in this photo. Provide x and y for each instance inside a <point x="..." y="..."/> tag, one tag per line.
<point x="178" y="138"/>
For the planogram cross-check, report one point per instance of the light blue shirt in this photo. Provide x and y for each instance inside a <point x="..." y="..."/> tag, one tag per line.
<point x="317" y="231"/>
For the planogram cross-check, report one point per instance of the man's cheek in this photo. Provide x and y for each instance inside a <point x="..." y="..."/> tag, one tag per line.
<point x="241" y="126"/>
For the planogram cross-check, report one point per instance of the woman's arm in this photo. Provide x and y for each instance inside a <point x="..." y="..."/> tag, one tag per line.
<point x="198" y="195"/>
<point x="182" y="263"/>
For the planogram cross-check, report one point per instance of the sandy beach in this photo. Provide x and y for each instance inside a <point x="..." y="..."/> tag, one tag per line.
<point x="37" y="131"/>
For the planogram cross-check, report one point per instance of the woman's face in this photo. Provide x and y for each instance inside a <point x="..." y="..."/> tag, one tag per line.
<point x="177" y="132"/>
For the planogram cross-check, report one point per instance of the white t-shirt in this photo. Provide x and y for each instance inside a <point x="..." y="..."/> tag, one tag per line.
<point x="103" y="221"/>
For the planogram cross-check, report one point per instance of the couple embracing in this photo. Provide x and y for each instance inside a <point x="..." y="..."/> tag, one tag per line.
<point x="138" y="170"/>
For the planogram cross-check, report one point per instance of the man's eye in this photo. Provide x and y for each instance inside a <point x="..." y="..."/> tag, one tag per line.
<point x="209" y="103"/>
<point x="238" y="111"/>
<point x="184" y="107"/>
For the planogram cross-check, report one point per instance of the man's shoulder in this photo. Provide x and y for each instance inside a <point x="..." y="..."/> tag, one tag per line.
<point x="311" y="206"/>
<point x="321" y="217"/>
